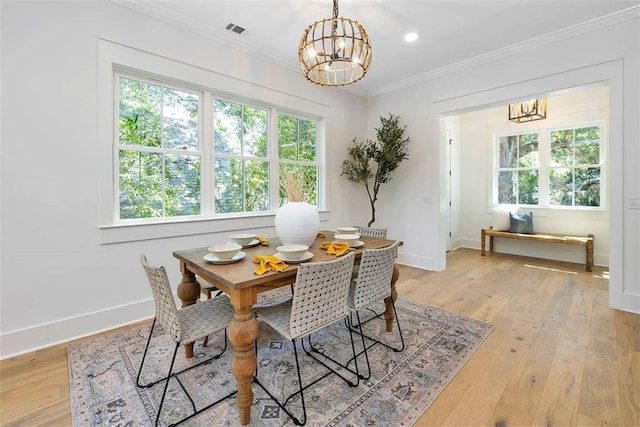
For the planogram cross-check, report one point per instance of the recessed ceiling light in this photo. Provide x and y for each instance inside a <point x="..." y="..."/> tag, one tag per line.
<point x="411" y="37"/>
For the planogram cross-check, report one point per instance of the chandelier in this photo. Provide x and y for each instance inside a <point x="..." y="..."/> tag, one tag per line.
<point x="334" y="51"/>
<point x="528" y="111"/>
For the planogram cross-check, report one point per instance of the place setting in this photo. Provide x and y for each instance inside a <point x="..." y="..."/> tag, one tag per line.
<point x="224" y="253"/>
<point x="349" y="235"/>
<point x="249" y="240"/>
<point x="345" y="240"/>
<point x="293" y="254"/>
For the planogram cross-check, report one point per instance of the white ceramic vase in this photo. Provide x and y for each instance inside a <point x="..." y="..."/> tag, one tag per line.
<point x="297" y="223"/>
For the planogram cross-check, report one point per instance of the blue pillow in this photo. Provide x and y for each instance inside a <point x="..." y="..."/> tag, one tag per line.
<point x="521" y="224"/>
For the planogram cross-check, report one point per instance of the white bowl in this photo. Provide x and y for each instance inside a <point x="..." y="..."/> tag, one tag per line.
<point x="292" y="252"/>
<point x="225" y="250"/>
<point x="347" y="230"/>
<point x="243" y="238"/>
<point x="347" y="238"/>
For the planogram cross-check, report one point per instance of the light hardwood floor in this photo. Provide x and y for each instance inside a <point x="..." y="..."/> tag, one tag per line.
<point x="559" y="356"/>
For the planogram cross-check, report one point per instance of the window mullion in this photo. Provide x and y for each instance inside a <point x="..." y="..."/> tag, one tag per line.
<point x="544" y="150"/>
<point x="207" y="184"/>
<point x="274" y="163"/>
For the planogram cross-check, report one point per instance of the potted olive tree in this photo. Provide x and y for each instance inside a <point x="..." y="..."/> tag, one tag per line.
<point x="370" y="163"/>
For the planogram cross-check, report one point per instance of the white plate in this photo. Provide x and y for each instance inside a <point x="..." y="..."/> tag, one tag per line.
<point x="215" y="260"/>
<point x="251" y="244"/>
<point x="303" y="258"/>
<point x="357" y="244"/>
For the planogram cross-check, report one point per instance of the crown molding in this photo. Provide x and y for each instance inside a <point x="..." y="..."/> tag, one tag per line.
<point x="158" y="11"/>
<point x="553" y="37"/>
<point x="234" y="41"/>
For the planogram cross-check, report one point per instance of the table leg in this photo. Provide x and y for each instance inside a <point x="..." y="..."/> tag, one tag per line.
<point x="188" y="292"/>
<point x="243" y="331"/>
<point x="483" y="236"/>
<point x="388" y="314"/>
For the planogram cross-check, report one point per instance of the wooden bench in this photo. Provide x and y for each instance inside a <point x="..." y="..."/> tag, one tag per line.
<point x="541" y="237"/>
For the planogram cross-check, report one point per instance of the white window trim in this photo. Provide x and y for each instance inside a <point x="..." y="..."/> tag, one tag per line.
<point x="544" y="167"/>
<point x="112" y="55"/>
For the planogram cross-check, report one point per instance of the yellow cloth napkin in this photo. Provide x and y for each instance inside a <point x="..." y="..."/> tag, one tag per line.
<point x="268" y="263"/>
<point x="321" y="235"/>
<point x="262" y="240"/>
<point x="334" y="248"/>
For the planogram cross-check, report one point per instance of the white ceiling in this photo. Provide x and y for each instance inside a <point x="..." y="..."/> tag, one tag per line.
<point x="451" y="32"/>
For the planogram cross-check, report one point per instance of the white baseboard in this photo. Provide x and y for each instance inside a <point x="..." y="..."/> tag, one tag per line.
<point x="424" y="263"/>
<point x="41" y="336"/>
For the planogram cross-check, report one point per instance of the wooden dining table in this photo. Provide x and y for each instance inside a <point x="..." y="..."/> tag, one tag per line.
<point x="239" y="281"/>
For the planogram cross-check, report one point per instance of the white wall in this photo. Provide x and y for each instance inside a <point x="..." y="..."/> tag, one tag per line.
<point x="607" y="52"/>
<point x="476" y="143"/>
<point x="57" y="281"/>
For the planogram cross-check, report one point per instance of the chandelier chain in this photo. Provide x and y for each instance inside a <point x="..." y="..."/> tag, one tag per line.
<point x="335" y="8"/>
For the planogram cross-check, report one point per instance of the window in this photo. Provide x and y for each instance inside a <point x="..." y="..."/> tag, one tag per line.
<point x="170" y="166"/>
<point x="297" y="151"/>
<point x="559" y="167"/>
<point x="241" y="164"/>
<point x="518" y="169"/>
<point x="158" y="157"/>
<point x="574" y="177"/>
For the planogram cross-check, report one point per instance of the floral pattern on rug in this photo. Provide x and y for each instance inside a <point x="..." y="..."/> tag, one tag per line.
<point x="402" y="384"/>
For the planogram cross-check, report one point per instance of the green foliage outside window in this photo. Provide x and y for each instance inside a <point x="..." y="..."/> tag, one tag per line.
<point x="160" y="157"/>
<point x="518" y="174"/>
<point x="155" y="182"/>
<point x="297" y="151"/>
<point x="573" y="168"/>
<point x="575" y="159"/>
<point x="241" y="167"/>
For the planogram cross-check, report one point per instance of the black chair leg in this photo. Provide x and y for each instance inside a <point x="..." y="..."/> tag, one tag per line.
<point x="166" y="384"/>
<point x="283" y="404"/>
<point x="144" y="355"/>
<point x="175" y="374"/>
<point x="152" y="383"/>
<point x="397" y="350"/>
<point x="364" y="349"/>
<point x="313" y="349"/>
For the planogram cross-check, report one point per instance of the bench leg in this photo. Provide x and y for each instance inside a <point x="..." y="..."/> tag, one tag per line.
<point x="490" y="243"/>
<point x="589" y="264"/>
<point x="483" y="235"/>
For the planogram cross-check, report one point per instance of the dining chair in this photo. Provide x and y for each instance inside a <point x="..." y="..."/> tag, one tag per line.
<point x="375" y="233"/>
<point x="207" y="290"/>
<point x="184" y="325"/>
<point x="321" y="299"/>
<point x="372" y="285"/>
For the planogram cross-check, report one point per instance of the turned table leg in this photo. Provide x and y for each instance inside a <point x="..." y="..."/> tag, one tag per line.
<point x="483" y="236"/>
<point x="388" y="313"/>
<point x="188" y="292"/>
<point x="243" y="331"/>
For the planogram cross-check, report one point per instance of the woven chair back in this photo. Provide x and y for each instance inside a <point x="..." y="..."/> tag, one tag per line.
<point x="321" y="295"/>
<point x="374" y="275"/>
<point x="375" y="233"/>
<point x="166" y="310"/>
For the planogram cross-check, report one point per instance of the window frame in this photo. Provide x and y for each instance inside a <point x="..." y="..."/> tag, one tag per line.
<point x="116" y="57"/>
<point x="544" y="158"/>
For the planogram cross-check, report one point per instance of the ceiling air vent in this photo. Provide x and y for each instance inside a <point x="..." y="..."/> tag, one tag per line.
<point x="235" y="28"/>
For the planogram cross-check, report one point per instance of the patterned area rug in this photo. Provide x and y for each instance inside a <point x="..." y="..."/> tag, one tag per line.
<point x="402" y="385"/>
